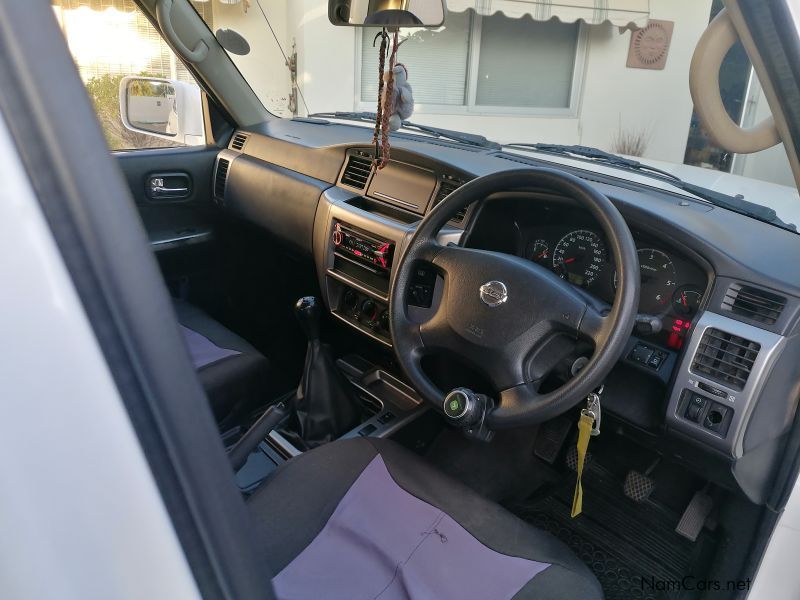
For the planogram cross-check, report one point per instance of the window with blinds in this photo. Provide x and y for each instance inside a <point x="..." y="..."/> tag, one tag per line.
<point x="436" y="61"/>
<point x="526" y="63"/>
<point x="484" y="63"/>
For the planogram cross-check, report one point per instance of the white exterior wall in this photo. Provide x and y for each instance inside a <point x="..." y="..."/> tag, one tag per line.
<point x="614" y="93"/>
<point x="611" y="95"/>
<point x="610" y="92"/>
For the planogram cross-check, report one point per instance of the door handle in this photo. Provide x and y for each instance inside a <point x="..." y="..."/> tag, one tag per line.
<point x="159" y="190"/>
<point x="169" y="186"/>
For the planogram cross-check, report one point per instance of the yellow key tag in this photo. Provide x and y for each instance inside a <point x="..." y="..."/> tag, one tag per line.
<point x="585" y="425"/>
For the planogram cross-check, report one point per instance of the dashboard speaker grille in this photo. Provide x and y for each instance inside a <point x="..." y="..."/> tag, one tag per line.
<point x="753" y="303"/>
<point x="726" y="358"/>
<point x="356" y="173"/>
<point x="238" y="141"/>
<point x="221" y="177"/>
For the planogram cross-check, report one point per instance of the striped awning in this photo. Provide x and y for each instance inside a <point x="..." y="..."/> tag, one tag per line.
<point x="624" y="13"/>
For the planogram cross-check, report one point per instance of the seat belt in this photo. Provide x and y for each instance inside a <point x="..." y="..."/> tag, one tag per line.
<point x="588" y="427"/>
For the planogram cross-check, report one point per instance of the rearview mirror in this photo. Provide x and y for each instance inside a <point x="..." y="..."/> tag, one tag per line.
<point x="387" y="13"/>
<point x="163" y="108"/>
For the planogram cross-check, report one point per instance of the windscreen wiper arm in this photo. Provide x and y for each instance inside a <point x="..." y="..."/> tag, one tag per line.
<point x="596" y="155"/>
<point x="455" y="136"/>
<point x="472" y="139"/>
<point x="734" y="203"/>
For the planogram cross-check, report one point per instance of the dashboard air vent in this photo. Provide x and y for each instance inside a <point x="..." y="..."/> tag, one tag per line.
<point x="725" y="358"/>
<point x="221" y="177"/>
<point x="753" y="303"/>
<point x="356" y="173"/>
<point x="447" y="187"/>
<point x="238" y="141"/>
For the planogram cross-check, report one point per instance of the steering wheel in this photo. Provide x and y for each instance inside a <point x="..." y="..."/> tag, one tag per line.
<point x="498" y="312"/>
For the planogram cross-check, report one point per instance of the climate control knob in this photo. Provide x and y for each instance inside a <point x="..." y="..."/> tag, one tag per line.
<point x="369" y="310"/>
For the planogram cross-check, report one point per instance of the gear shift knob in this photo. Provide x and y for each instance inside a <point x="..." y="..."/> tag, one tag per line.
<point x="308" y="311"/>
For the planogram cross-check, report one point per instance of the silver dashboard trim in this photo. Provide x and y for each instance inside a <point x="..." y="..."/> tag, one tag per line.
<point x="743" y="402"/>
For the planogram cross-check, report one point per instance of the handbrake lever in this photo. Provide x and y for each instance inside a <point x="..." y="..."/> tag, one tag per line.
<point x="271" y="418"/>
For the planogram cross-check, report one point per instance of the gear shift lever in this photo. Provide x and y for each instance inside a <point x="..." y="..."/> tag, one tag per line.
<point x="308" y="311"/>
<point x="326" y="405"/>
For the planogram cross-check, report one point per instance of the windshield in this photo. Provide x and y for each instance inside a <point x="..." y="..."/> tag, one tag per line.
<point x="535" y="73"/>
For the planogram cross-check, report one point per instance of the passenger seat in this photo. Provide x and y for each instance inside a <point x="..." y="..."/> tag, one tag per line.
<point x="231" y="370"/>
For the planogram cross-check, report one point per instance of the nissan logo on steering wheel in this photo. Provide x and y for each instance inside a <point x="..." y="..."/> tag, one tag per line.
<point x="494" y="293"/>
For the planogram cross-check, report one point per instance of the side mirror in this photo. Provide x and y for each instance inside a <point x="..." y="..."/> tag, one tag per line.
<point x="164" y="108"/>
<point x="387" y="13"/>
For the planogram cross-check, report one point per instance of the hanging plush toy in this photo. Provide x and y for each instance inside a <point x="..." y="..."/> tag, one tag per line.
<point x="401" y="105"/>
<point x="395" y="98"/>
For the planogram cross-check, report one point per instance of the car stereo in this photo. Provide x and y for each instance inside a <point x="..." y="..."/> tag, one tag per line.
<point x="363" y="249"/>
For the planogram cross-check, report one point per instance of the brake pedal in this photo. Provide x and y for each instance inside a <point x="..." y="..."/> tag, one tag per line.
<point x="572" y="459"/>
<point x="638" y="486"/>
<point x="550" y="439"/>
<point x="695" y="515"/>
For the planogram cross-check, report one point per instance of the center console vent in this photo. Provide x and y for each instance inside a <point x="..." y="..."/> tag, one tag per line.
<point x="725" y="358"/>
<point x="221" y="177"/>
<point x="447" y="186"/>
<point x="238" y="141"/>
<point x="357" y="172"/>
<point x="753" y="303"/>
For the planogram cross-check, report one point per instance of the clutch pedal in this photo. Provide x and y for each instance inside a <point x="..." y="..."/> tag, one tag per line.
<point x="550" y="439"/>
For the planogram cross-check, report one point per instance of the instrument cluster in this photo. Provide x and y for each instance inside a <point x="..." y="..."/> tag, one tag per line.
<point x="671" y="285"/>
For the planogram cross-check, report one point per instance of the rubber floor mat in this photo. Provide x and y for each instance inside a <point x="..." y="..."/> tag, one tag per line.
<point x="631" y="548"/>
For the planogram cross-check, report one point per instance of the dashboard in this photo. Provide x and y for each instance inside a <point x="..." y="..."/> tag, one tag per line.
<point x="709" y="388"/>
<point x="566" y="241"/>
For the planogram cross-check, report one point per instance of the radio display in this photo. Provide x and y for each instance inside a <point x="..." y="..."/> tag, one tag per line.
<point x="363" y="248"/>
<point x="403" y="185"/>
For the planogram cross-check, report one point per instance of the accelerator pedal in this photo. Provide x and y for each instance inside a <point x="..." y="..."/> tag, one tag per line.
<point x="550" y="439"/>
<point x="695" y="515"/>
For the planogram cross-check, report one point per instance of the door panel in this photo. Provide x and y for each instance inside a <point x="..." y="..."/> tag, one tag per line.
<point x="172" y="188"/>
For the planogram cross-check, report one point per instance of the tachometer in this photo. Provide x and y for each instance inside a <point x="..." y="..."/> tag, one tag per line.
<point x="579" y="257"/>
<point x="658" y="281"/>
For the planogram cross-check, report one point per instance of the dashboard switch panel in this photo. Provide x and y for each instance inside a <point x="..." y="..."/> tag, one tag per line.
<point x="648" y="356"/>
<point x="705" y="412"/>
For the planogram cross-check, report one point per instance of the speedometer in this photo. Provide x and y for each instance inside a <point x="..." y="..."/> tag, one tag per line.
<point x="579" y="257"/>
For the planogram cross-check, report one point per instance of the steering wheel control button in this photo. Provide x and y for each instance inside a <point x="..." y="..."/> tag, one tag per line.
<point x="458" y="403"/>
<point x="494" y="293"/>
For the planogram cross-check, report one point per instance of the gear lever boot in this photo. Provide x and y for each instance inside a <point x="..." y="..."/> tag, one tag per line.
<point x="326" y="406"/>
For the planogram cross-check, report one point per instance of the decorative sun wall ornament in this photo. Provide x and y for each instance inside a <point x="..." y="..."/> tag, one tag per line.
<point x="649" y="47"/>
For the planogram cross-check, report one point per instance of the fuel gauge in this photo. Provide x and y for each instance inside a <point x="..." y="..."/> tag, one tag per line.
<point x="686" y="300"/>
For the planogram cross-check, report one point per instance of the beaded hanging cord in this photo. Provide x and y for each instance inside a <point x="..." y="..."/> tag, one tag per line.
<point x="385" y="94"/>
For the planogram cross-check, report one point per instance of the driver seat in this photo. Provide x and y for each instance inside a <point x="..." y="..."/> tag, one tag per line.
<point x="365" y="518"/>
